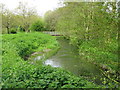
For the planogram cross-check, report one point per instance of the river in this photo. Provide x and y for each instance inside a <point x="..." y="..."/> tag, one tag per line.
<point x="68" y="58"/>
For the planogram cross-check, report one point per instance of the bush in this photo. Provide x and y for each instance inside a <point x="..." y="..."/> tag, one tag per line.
<point x="21" y="29"/>
<point x="37" y="26"/>
<point x="13" y="30"/>
<point x="107" y="55"/>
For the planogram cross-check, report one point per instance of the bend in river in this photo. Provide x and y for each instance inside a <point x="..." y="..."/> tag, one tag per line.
<point x="68" y="58"/>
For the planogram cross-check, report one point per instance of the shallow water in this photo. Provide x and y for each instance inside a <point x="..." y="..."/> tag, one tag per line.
<point x="68" y="58"/>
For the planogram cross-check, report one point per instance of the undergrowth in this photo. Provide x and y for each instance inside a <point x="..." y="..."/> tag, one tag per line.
<point x="18" y="73"/>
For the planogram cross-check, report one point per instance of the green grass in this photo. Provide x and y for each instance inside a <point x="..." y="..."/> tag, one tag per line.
<point x="105" y="54"/>
<point x="18" y="73"/>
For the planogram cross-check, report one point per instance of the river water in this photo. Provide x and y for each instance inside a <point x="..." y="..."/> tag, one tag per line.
<point x="68" y="58"/>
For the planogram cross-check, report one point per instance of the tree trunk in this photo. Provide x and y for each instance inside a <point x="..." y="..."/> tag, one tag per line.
<point x="8" y="30"/>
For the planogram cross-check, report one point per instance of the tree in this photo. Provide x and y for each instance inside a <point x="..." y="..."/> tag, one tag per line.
<point x="51" y="18"/>
<point x="26" y="15"/>
<point x="22" y="17"/>
<point x="7" y="18"/>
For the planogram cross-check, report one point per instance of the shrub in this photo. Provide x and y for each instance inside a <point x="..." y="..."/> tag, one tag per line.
<point x="13" y="30"/>
<point x="37" y="26"/>
<point x="20" y="29"/>
<point x="107" y="55"/>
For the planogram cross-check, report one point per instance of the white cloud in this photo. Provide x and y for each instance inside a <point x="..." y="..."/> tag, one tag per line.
<point x="40" y="5"/>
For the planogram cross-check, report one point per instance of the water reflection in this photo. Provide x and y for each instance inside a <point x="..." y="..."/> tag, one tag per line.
<point x="68" y="58"/>
<point x="52" y="63"/>
<point x="38" y="58"/>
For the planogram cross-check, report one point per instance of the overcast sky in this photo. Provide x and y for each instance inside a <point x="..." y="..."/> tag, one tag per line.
<point x="40" y="5"/>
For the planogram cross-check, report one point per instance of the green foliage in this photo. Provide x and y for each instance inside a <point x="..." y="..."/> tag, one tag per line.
<point x="93" y="28"/>
<point x="37" y="26"/>
<point x="23" y="16"/>
<point x="87" y="24"/>
<point x="13" y="30"/>
<point x="107" y="56"/>
<point x="4" y="31"/>
<point x="20" y="29"/>
<point x="51" y="18"/>
<point x="30" y="43"/>
<point x="17" y="73"/>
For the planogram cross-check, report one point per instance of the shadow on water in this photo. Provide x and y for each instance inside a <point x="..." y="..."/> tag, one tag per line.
<point x="68" y="58"/>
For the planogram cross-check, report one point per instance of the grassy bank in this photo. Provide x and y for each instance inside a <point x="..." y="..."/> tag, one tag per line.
<point x="104" y="55"/>
<point x="18" y="73"/>
<point x="107" y="55"/>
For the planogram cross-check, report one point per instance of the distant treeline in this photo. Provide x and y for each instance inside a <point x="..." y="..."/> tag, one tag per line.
<point x="22" y="19"/>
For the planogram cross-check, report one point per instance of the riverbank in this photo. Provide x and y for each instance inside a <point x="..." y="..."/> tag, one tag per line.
<point x="41" y="56"/>
<point x="106" y="58"/>
<point x="18" y="73"/>
<point x="68" y="58"/>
